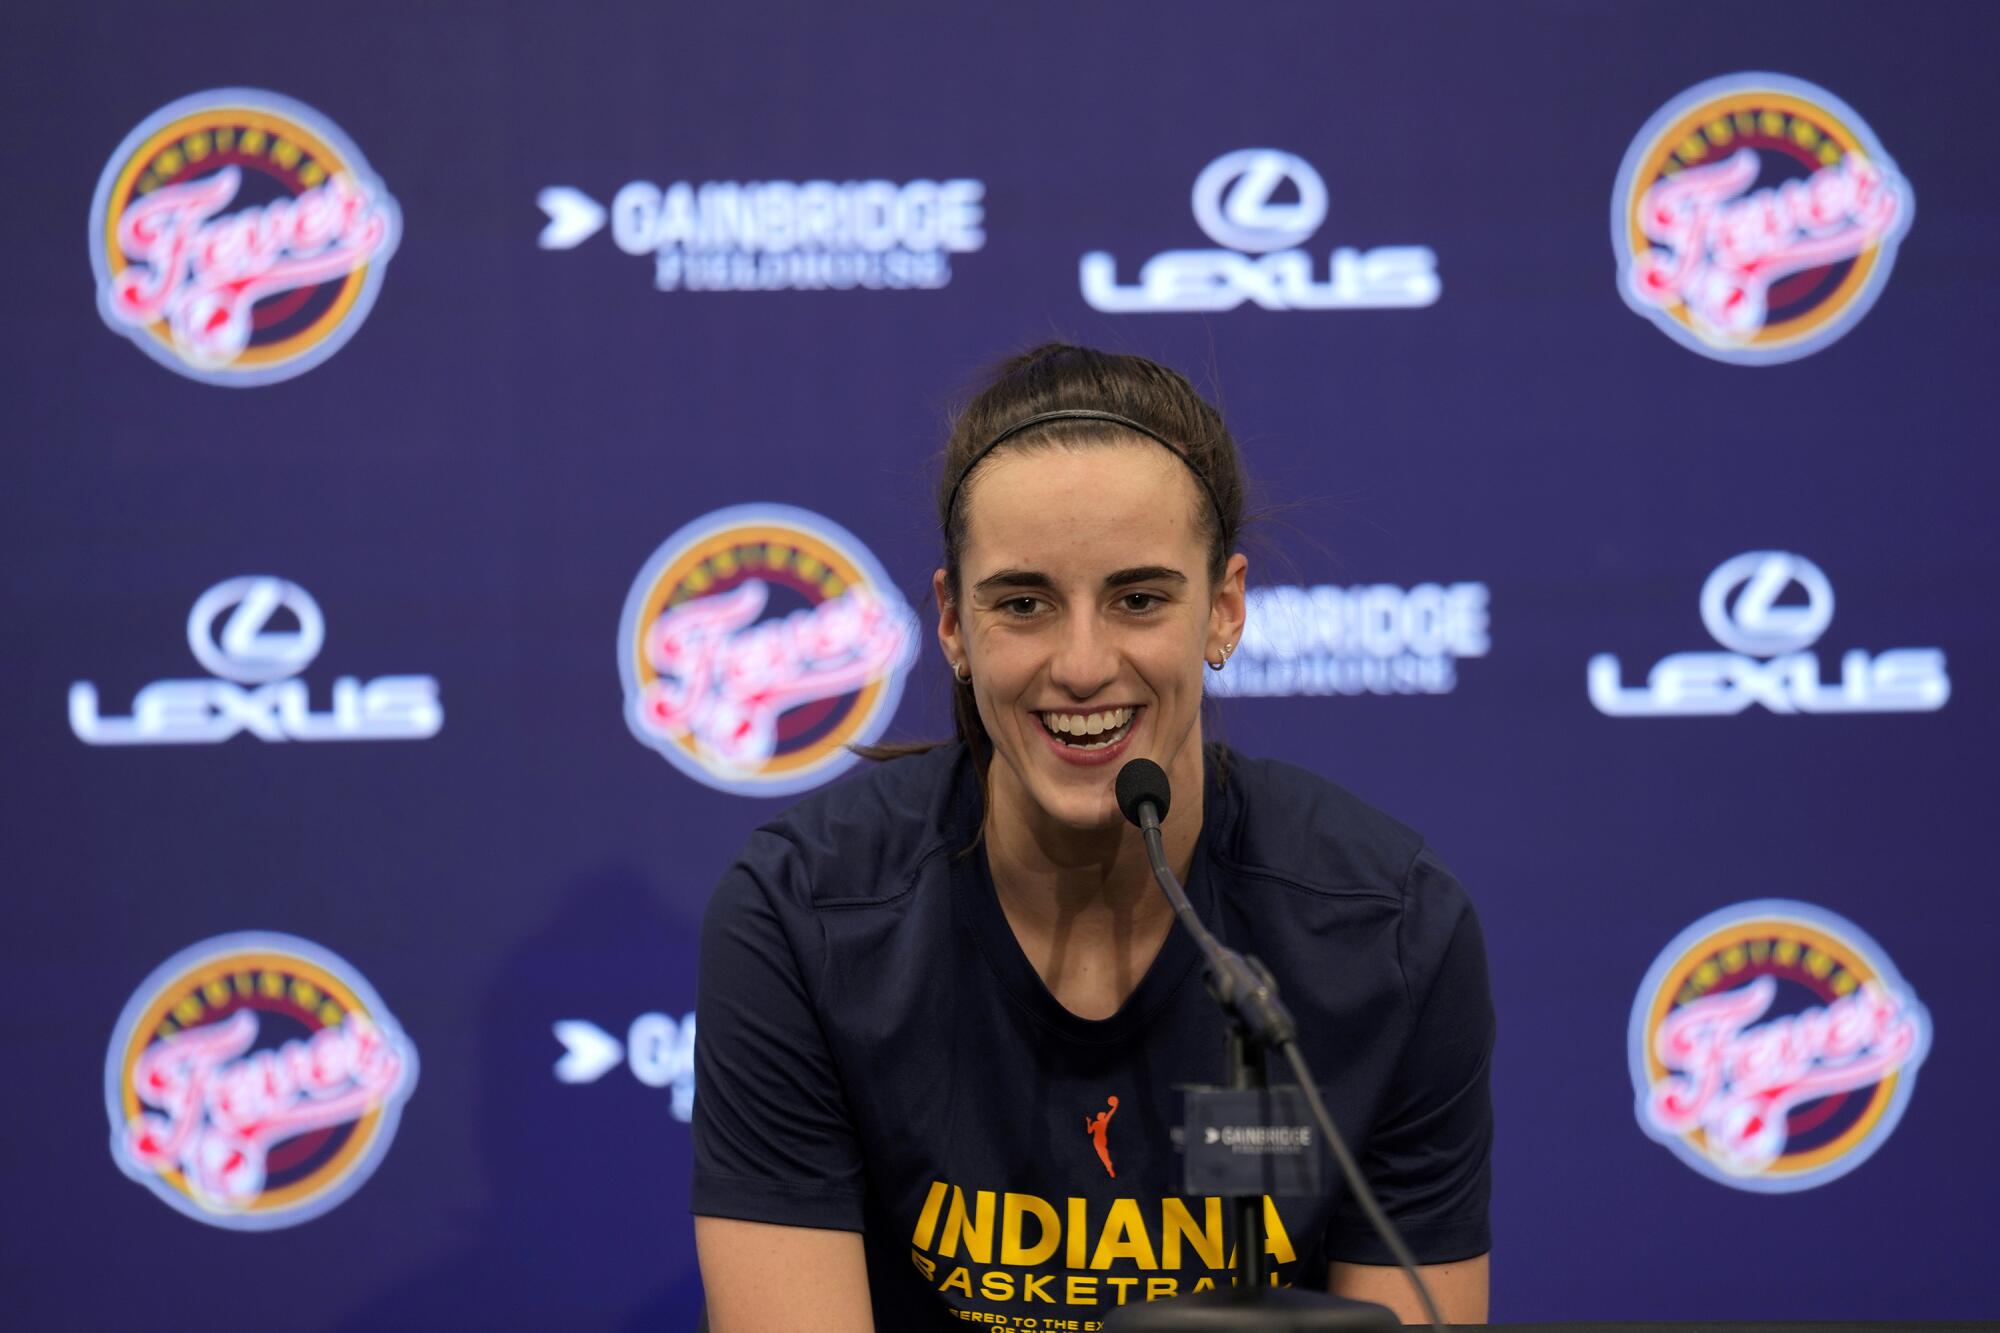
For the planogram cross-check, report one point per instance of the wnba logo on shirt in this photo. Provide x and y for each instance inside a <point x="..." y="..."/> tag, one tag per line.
<point x="1098" y="1127"/>
<point x="1774" y="1047"/>
<point x="1756" y="218"/>
<point x="758" y="644"/>
<point x="239" y="238"/>
<point x="254" y="1081"/>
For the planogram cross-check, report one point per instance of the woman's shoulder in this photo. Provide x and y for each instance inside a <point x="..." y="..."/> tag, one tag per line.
<point x="1297" y="825"/>
<point x="864" y="837"/>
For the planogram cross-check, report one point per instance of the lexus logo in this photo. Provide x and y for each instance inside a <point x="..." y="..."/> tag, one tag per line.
<point x="1755" y="623"/>
<point x="1234" y="200"/>
<point x="1765" y="656"/>
<point x="1260" y="205"/>
<point x="256" y="635"/>
<point x="248" y="650"/>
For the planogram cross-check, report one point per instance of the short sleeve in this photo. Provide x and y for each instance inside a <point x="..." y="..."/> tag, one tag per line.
<point x="1429" y="1154"/>
<point x="773" y="1140"/>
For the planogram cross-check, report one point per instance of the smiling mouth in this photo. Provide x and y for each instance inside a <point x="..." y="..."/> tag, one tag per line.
<point x="1089" y="731"/>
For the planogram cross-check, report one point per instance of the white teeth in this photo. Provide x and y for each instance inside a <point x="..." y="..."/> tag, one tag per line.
<point x="1088" y="724"/>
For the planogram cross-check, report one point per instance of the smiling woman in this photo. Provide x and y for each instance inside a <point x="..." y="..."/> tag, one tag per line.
<point x="917" y="984"/>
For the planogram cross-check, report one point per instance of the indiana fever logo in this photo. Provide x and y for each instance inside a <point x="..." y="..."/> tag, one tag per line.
<point x="1774" y="1046"/>
<point x="1756" y="219"/>
<point x="758" y="644"/>
<point x="254" y="1082"/>
<point x="239" y="238"/>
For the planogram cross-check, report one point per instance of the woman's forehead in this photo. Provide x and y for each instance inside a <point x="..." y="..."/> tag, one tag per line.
<point x="1111" y="505"/>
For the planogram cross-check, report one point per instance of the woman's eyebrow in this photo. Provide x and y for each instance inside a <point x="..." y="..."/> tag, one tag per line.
<point x="1144" y="574"/>
<point x="1034" y="578"/>
<point x="1014" y="578"/>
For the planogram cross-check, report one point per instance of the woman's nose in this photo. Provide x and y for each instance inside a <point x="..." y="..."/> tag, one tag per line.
<point x="1085" y="660"/>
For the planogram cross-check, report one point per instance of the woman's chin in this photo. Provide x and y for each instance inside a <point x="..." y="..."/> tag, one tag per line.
<point x="1082" y="811"/>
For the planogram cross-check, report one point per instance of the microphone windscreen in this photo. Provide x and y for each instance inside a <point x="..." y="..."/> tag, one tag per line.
<point x="1140" y="781"/>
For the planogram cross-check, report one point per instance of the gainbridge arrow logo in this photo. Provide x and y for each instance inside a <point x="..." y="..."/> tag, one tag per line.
<point x="574" y="217"/>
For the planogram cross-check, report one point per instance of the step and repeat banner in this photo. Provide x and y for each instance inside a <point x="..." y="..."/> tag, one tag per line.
<point x="469" y="465"/>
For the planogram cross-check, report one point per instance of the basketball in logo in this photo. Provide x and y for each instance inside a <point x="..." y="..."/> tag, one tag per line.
<point x="758" y="644"/>
<point x="254" y="1081"/>
<point x="1774" y="1046"/>
<point x="239" y="238"/>
<point x="1756" y="218"/>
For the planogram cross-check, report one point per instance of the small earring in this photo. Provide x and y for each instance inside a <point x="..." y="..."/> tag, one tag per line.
<point x="1227" y="649"/>
<point x="960" y="673"/>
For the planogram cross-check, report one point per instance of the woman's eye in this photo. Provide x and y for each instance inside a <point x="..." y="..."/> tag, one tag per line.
<point x="1139" y="601"/>
<point x="1019" y="606"/>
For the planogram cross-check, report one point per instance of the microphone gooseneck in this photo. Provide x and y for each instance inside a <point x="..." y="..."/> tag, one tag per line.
<point x="1241" y="988"/>
<point x="1249" y="997"/>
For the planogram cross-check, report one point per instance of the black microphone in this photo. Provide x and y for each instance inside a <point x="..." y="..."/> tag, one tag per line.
<point x="1242" y="988"/>
<point x="1142" y="782"/>
<point x="1249" y="996"/>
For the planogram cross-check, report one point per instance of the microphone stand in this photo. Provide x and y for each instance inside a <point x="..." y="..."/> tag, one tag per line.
<point x="1259" y="1022"/>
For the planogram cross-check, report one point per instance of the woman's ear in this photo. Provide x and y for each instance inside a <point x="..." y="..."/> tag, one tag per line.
<point x="1227" y="610"/>
<point x="950" y="633"/>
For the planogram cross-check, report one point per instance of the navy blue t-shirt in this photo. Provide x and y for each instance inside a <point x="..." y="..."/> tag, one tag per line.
<point x="877" y="1054"/>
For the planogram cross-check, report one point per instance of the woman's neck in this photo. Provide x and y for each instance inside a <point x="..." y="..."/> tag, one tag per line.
<point x="1083" y="903"/>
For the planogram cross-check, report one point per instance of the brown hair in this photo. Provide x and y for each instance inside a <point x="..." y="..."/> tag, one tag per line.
<point x="1054" y="377"/>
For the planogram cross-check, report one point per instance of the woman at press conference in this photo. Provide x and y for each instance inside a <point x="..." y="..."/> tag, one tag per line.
<point x="946" y="1011"/>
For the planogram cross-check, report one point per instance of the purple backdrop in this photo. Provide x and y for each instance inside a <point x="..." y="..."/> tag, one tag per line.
<point x="415" y="353"/>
